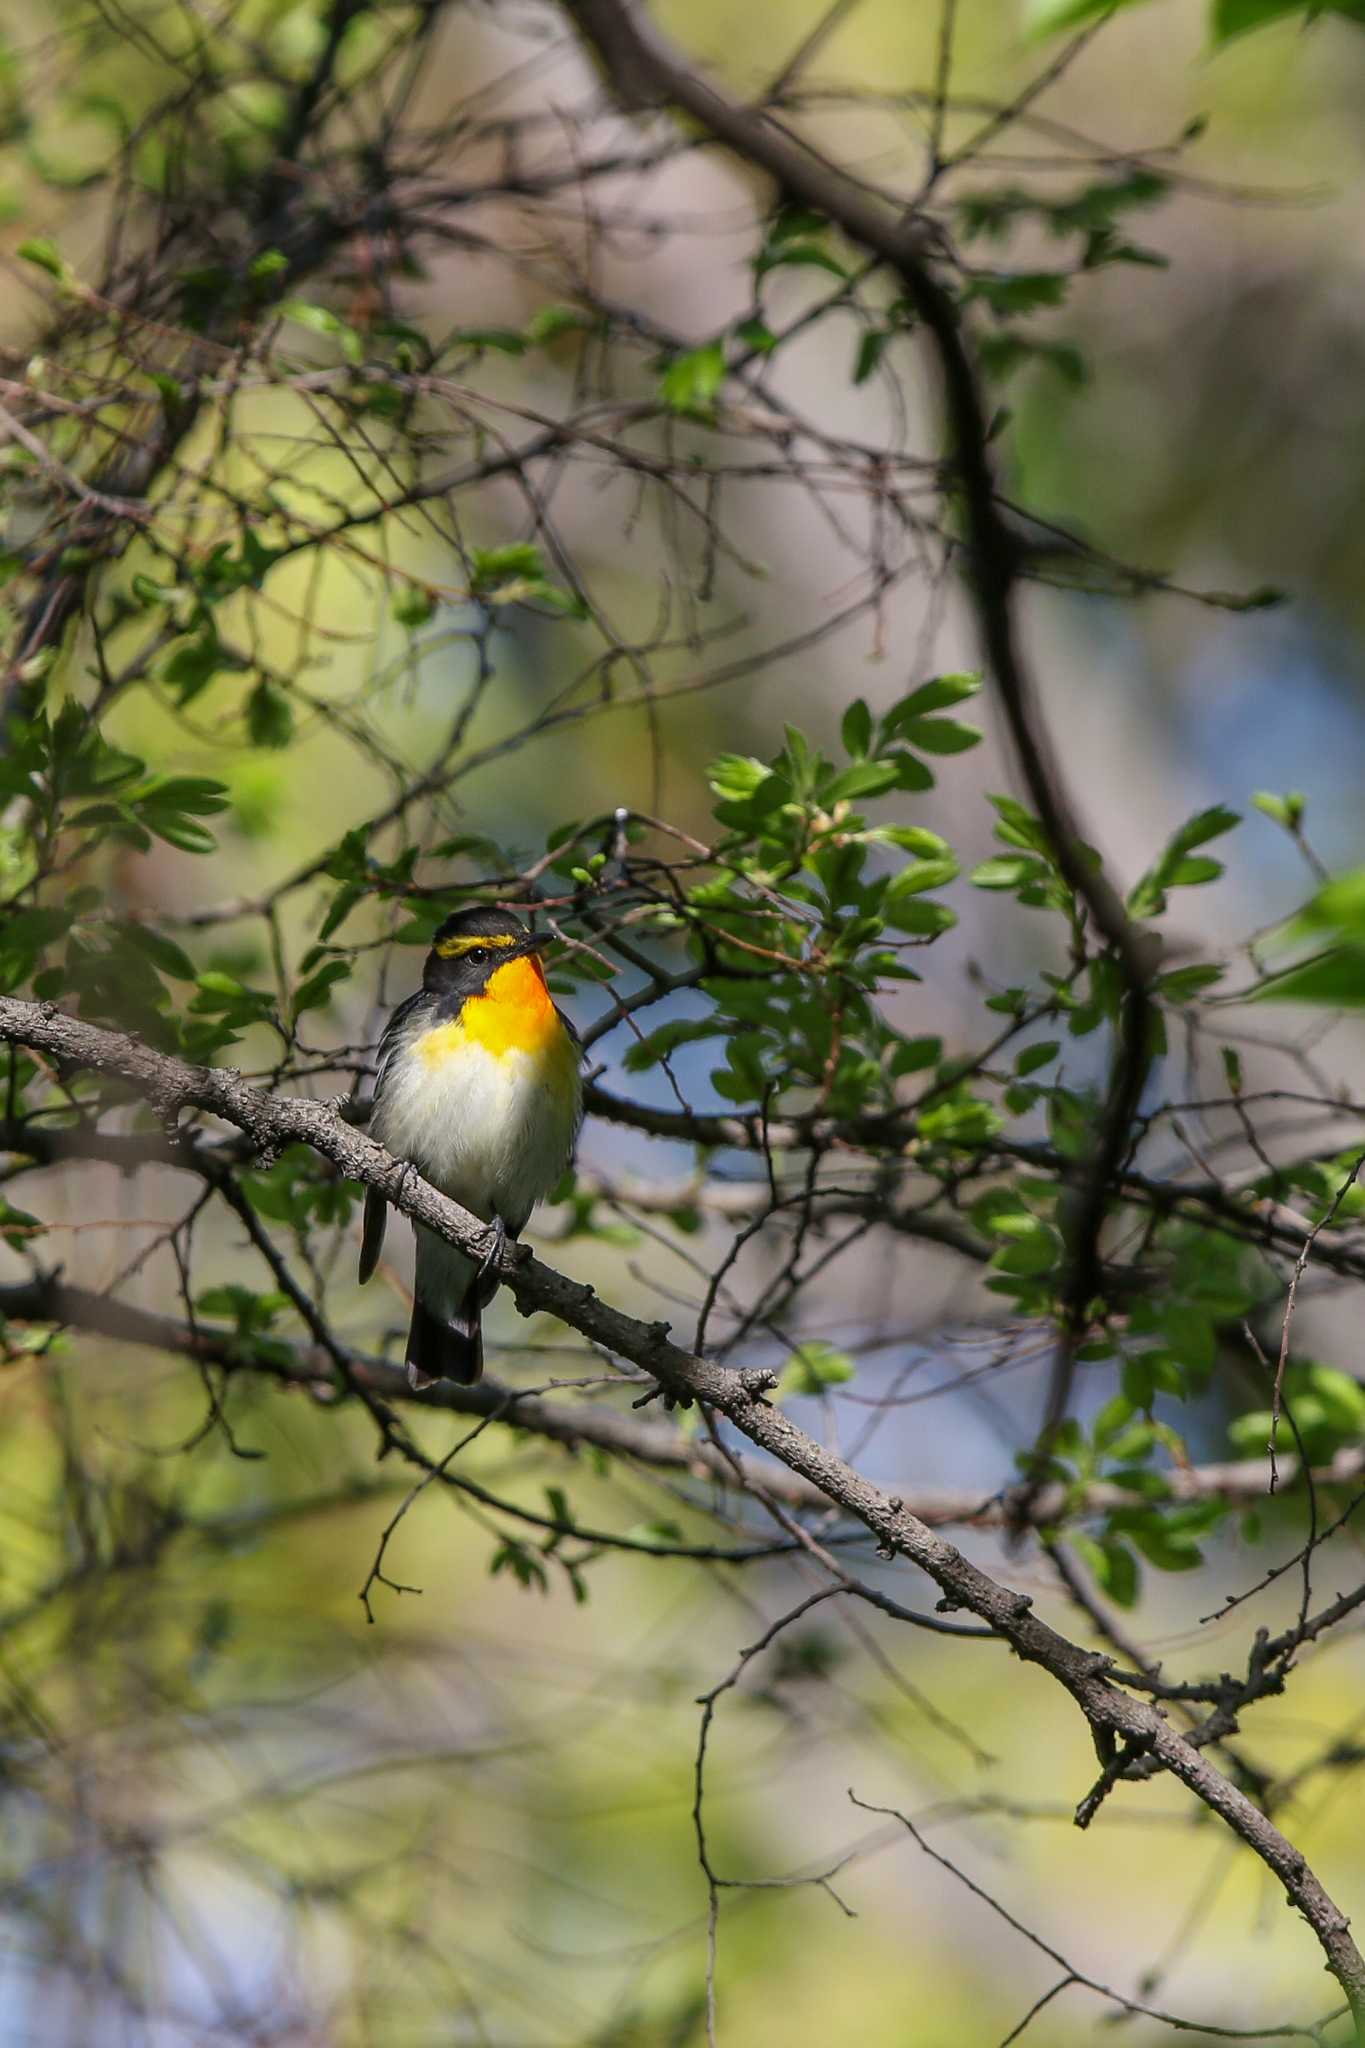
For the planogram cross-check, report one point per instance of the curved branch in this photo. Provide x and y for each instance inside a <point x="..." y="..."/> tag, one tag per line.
<point x="646" y="70"/>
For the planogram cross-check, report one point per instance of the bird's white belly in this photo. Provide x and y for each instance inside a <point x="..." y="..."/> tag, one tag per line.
<point x="492" y="1130"/>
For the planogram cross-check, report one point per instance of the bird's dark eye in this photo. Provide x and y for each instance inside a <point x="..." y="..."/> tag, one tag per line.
<point x="477" y="956"/>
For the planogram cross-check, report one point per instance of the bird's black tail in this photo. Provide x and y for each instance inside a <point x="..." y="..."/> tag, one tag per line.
<point x="445" y="1350"/>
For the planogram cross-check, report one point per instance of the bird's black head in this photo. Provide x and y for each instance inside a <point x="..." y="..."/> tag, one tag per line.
<point x="473" y="945"/>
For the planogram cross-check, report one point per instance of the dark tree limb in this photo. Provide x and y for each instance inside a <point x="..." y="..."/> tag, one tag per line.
<point x="646" y="70"/>
<point x="50" y="1299"/>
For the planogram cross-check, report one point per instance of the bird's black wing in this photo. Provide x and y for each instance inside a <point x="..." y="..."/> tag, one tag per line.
<point x="376" y="1208"/>
<point x="395" y="1031"/>
<point x="574" y="1039"/>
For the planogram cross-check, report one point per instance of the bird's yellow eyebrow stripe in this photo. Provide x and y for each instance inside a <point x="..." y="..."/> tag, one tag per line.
<point x="453" y="949"/>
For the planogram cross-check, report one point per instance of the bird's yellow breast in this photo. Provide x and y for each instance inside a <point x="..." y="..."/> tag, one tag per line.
<point x="514" y="1014"/>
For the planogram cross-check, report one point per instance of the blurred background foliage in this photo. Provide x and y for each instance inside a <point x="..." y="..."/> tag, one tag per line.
<point x="237" y="1809"/>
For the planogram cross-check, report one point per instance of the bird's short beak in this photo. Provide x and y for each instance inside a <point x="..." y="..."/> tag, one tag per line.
<point x="535" y="942"/>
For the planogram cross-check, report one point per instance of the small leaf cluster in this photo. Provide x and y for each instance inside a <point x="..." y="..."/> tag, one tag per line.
<point x="301" y="1189"/>
<point x="516" y="574"/>
<point x="252" y="1317"/>
<point x="1151" y="1527"/>
<point x="74" y="780"/>
<point x="1324" y="1405"/>
<point x="1090" y="215"/>
<point x="803" y="919"/>
<point x="527" y="1562"/>
<point x="1332" y="922"/>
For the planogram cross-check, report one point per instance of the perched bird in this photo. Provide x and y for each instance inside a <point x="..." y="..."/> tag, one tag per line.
<point x="479" y="1085"/>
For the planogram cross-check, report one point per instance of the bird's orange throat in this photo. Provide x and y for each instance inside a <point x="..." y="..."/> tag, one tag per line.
<point x="514" y="1014"/>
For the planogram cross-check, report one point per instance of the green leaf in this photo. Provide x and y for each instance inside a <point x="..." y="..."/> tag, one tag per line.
<point x="322" y="320"/>
<point x="1342" y="1399"/>
<point x="914" y="1055"/>
<point x="194" y="664"/>
<point x="1137" y="1441"/>
<point x="183" y="833"/>
<point x="912" y="773"/>
<point x="864" y="778"/>
<point x="505" y="340"/>
<point x="490" y="566"/>
<point x="1035" y="1056"/>
<point x="315" y="992"/>
<point x="691" y="381"/>
<point x="1113" y="1565"/>
<point x="812" y="1368"/>
<point x="269" y="716"/>
<point x="1338" y="905"/>
<point x="939" y="735"/>
<point x="17" y="1227"/>
<point x="222" y="995"/>
<point x="525" y="1567"/>
<point x="939" y="695"/>
<point x="46" y="256"/>
<point x="736" y="776"/>
<point x="1184" y="983"/>
<point x="161" y="951"/>
<point x="1205" y="825"/>
<point x="1032" y="1251"/>
<point x="1022" y="292"/>
<point x="1050" y="17"/>
<point x="1286" y="810"/>
<point x="657" y="1533"/>
<point x="919" y="916"/>
<point x="223" y="573"/>
<point x="1231" y="18"/>
<point x="241" y="1306"/>
<point x="412" y="606"/>
<point x="1006" y="871"/>
<point x="515" y="575"/>
<point x="197" y="794"/>
<point x="1018" y="827"/>
<point x="1170" y="1550"/>
<point x="920" y="875"/>
<point x="1191" y="1336"/>
<point x="1003" y="1212"/>
<point x="1118" y="1575"/>
<point x="1072" y="1122"/>
<point x="551" y="321"/>
<point x="1196" y="868"/>
<point x="1002" y="353"/>
<point x="856" y="729"/>
<point x="871" y="348"/>
<point x="1335" y="978"/>
<point x="961" y="1119"/>
<point x="812" y="254"/>
<point x="668" y="1038"/>
<point x="756" y="334"/>
<point x="1175" y="869"/>
<point x="912" y="839"/>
